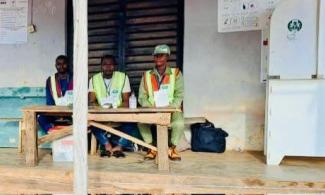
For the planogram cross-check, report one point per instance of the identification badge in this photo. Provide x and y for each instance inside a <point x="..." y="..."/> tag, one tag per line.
<point x="164" y="87"/>
<point x="161" y="98"/>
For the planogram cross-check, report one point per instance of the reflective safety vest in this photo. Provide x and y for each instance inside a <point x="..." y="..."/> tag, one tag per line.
<point x="116" y="86"/>
<point x="168" y="83"/>
<point x="56" y="89"/>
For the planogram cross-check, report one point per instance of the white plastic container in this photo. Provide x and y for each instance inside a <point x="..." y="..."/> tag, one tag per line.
<point x="133" y="101"/>
<point x="62" y="149"/>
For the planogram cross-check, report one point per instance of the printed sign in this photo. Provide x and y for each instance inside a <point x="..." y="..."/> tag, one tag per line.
<point x="244" y="15"/>
<point x="13" y="21"/>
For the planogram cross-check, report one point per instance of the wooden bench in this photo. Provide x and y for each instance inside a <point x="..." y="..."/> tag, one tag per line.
<point x="20" y="131"/>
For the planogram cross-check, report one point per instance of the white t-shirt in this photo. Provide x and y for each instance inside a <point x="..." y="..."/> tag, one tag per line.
<point x="126" y="88"/>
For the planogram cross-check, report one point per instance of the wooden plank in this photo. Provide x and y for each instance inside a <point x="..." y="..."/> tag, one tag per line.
<point x="102" y="16"/>
<point x="151" y="43"/>
<point x="101" y="2"/>
<point x="104" y="24"/>
<point x="136" y="73"/>
<point x="10" y="119"/>
<point x="94" y="61"/>
<point x="93" y="146"/>
<point x="31" y="138"/>
<point x="94" y="69"/>
<point x="103" y="9"/>
<point x="152" y="27"/>
<point x="192" y="120"/>
<point x="65" y="131"/>
<point x="150" y="4"/>
<point x="150" y="35"/>
<point x="80" y="100"/>
<point x="162" y="145"/>
<point x="102" y="46"/>
<point x="102" y="39"/>
<point x="152" y="12"/>
<point x="144" y="50"/>
<point x="101" y="53"/>
<point x="147" y="118"/>
<point x="143" y="66"/>
<point x="121" y="134"/>
<point x="48" y="109"/>
<point x="95" y="109"/>
<point x="152" y="19"/>
<point x="147" y="58"/>
<point x="202" y="173"/>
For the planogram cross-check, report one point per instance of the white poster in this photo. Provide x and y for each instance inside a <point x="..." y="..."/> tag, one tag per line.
<point x="244" y="15"/>
<point x="13" y="21"/>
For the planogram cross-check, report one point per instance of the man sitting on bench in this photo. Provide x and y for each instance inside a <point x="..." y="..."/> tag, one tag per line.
<point x="163" y="86"/>
<point x="57" y="87"/>
<point x="111" y="88"/>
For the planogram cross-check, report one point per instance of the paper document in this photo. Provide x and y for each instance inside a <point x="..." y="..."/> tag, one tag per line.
<point x="161" y="98"/>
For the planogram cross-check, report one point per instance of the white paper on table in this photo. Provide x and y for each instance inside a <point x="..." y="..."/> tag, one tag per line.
<point x="69" y="96"/>
<point x="106" y="101"/>
<point x="62" y="101"/>
<point x="161" y="98"/>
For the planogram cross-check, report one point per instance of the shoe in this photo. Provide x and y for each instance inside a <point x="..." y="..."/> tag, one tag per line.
<point x="118" y="154"/>
<point x="151" y="154"/>
<point x="55" y="128"/>
<point x="104" y="153"/>
<point x="173" y="154"/>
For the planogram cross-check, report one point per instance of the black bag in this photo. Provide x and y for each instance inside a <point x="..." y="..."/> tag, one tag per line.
<point x="207" y="138"/>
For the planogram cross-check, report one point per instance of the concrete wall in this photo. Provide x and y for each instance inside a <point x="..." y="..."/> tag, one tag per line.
<point x="222" y="73"/>
<point x="33" y="62"/>
<point x="25" y="67"/>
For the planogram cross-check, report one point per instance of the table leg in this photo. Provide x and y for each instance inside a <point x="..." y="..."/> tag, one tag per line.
<point x="162" y="145"/>
<point x="31" y="138"/>
<point x="93" y="145"/>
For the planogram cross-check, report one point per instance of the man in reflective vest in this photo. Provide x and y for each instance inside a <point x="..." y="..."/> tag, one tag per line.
<point x="154" y="84"/>
<point x="111" y="88"/>
<point x="56" y="87"/>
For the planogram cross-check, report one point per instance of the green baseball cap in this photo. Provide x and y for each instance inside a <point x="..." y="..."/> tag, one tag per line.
<point x="161" y="49"/>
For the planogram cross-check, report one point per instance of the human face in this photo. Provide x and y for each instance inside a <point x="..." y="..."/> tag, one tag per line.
<point x="160" y="60"/>
<point x="108" y="67"/>
<point x="61" y="66"/>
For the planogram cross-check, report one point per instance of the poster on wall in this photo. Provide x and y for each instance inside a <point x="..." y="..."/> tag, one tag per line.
<point x="13" y="21"/>
<point x="244" y="15"/>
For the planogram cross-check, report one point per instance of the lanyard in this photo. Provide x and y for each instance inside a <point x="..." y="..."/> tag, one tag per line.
<point x="160" y="82"/>
<point x="108" y="88"/>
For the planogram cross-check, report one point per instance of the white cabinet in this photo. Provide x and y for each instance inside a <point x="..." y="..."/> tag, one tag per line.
<point x="293" y="40"/>
<point x="321" y="40"/>
<point x="295" y="119"/>
<point x="295" y="103"/>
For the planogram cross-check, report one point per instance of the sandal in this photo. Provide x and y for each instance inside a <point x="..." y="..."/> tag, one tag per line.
<point x="104" y="153"/>
<point x="118" y="154"/>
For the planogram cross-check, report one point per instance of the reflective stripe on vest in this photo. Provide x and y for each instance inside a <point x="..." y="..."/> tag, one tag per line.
<point x="152" y="85"/>
<point x="54" y="90"/>
<point x="116" y="86"/>
<point x="55" y="87"/>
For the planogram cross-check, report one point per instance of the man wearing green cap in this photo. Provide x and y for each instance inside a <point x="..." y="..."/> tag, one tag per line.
<point x="159" y="87"/>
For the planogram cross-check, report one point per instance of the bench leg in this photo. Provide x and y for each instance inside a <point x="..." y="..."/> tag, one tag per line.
<point x="162" y="145"/>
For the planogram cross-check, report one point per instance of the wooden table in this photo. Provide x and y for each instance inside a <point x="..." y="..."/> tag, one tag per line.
<point x="158" y="116"/>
